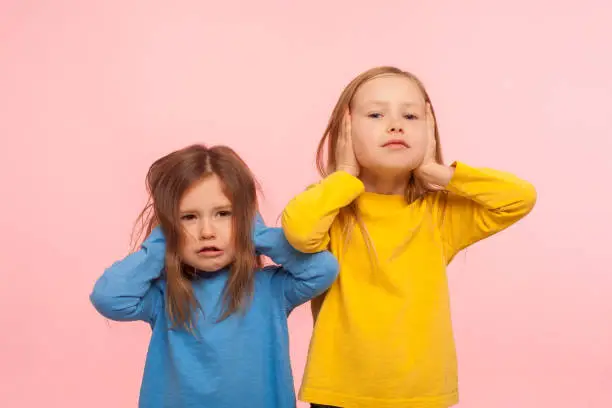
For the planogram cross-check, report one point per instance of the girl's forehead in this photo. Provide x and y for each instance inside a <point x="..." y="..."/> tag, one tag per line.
<point x="207" y="192"/>
<point x="389" y="88"/>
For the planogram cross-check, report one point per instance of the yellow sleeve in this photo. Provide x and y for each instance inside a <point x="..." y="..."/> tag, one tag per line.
<point x="307" y="218"/>
<point x="481" y="203"/>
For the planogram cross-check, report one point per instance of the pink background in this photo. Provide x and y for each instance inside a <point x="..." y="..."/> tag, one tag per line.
<point x="92" y="92"/>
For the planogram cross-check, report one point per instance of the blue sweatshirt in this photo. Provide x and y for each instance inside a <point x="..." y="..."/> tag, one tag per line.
<point x="240" y="362"/>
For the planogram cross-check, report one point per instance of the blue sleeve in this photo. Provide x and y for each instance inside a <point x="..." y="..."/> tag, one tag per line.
<point x="125" y="292"/>
<point x="301" y="276"/>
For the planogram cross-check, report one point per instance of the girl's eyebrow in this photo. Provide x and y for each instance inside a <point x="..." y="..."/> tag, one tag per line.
<point x="383" y="103"/>
<point x="216" y="208"/>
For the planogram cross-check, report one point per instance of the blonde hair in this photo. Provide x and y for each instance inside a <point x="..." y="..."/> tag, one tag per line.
<point x="326" y="152"/>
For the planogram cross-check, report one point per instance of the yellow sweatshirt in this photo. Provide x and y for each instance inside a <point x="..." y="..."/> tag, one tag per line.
<point x="383" y="337"/>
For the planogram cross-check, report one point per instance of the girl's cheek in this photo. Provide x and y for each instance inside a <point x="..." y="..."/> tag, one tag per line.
<point x="188" y="237"/>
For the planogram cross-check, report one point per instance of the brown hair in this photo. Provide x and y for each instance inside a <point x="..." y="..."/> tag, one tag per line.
<point x="167" y="180"/>
<point x="326" y="152"/>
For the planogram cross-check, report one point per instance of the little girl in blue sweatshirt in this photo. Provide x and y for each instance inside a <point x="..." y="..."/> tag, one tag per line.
<point x="218" y="319"/>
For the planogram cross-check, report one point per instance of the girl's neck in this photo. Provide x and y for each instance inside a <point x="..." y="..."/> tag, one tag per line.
<point x="387" y="184"/>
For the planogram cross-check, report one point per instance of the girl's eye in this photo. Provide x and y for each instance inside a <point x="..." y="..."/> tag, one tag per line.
<point x="188" y="217"/>
<point x="225" y="213"/>
<point x="411" y="116"/>
<point x="375" y="115"/>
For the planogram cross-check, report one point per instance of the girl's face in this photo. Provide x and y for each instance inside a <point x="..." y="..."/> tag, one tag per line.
<point x="389" y="125"/>
<point x="206" y="219"/>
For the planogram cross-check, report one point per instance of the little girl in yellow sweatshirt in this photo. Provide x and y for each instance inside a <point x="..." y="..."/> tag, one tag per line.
<point x="395" y="216"/>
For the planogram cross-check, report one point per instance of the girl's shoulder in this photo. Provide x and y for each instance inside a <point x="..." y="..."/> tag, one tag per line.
<point x="159" y="284"/>
<point x="268" y="272"/>
<point x="270" y="278"/>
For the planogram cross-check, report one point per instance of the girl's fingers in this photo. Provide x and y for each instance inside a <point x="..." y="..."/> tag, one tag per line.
<point x="346" y="126"/>
<point x="431" y="123"/>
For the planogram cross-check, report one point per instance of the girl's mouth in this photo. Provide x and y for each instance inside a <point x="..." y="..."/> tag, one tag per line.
<point x="396" y="143"/>
<point x="210" y="251"/>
